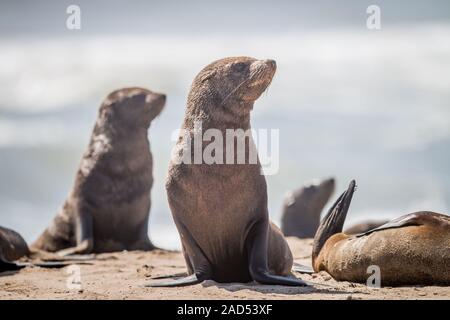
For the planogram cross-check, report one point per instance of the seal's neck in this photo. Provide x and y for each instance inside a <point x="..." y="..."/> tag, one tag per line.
<point x="217" y="116"/>
<point x="120" y="140"/>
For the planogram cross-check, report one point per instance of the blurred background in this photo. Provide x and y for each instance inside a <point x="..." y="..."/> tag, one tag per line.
<point x="349" y="102"/>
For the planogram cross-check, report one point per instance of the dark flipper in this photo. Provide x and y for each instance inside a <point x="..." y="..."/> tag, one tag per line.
<point x="84" y="235"/>
<point x="412" y="219"/>
<point x="49" y="264"/>
<point x="9" y="266"/>
<point x="185" y="281"/>
<point x="300" y="268"/>
<point x="195" y="258"/>
<point x="257" y="253"/>
<point x="334" y="220"/>
<point x="175" y="275"/>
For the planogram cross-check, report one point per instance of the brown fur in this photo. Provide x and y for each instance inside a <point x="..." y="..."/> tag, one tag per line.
<point x="221" y="209"/>
<point x="12" y="245"/>
<point x="108" y="207"/>
<point x="416" y="253"/>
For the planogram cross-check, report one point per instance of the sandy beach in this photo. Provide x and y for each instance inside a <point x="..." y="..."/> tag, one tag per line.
<point x="122" y="275"/>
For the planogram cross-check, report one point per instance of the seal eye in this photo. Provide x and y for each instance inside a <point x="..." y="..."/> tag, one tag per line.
<point x="239" y="67"/>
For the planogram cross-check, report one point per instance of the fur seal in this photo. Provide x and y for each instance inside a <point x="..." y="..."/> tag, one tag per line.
<point x="220" y="210"/>
<point x="302" y="209"/>
<point x="364" y="226"/>
<point x="14" y="247"/>
<point x="108" y="208"/>
<point x="411" y="250"/>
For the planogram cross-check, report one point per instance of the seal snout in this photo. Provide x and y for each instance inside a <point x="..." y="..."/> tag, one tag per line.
<point x="156" y="98"/>
<point x="272" y="64"/>
<point x="261" y="73"/>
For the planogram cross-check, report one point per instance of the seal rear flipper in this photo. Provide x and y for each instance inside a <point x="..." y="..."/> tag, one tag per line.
<point x="334" y="220"/>
<point x="185" y="281"/>
<point x="300" y="268"/>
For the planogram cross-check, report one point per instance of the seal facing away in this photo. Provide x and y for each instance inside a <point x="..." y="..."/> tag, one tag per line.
<point x="108" y="208"/>
<point x="220" y="209"/>
<point x="411" y="250"/>
<point x="302" y="209"/>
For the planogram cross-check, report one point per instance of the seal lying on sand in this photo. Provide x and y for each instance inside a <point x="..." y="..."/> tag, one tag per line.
<point x="108" y="208"/>
<point x="13" y="247"/>
<point x="364" y="226"/>
<point x="302" y="209"/>
<point x="220" y="210"/>
<point x="411" y="250"/>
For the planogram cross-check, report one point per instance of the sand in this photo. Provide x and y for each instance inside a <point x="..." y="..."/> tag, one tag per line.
<point x="121" y="276"/>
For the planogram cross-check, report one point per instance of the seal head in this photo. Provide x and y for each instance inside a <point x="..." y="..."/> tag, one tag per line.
<point x="302" y="208"/>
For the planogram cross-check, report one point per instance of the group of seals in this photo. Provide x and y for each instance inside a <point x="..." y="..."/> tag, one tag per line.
<point x="221" y="210"/>
<point x="411" y="250"/>
<point x="108" y="207"/>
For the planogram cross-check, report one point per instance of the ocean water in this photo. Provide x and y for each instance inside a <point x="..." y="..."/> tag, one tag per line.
<point x="348" y="103"/>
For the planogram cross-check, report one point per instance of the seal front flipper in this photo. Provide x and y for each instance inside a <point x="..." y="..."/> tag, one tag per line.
<point x="175" y="275"/>
<point x="411" y="219"/>
<point x="9" y="266"/>
<point x="301" y="268"/>
<point x="195" y="259"/>
<point x="49" y="264"/>
<point x="257" y="253"/>
<point x="334" y="221"/>
<point x="185" y="281"/>
<point x="84" y="235"/>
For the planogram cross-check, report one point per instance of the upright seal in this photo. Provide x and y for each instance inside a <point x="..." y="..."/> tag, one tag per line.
<point x="302" y="208"/>
<point x="108" y="208"/>
<point x="411" y="250"/>
<point x="220" y="208"/>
